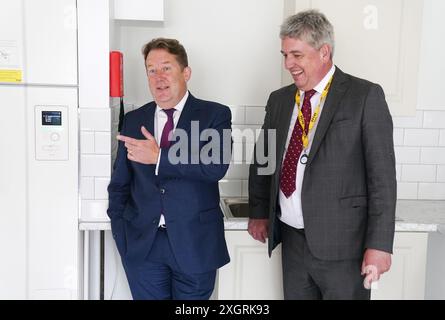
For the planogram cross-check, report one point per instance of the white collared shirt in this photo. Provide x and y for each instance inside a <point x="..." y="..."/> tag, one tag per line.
<point x="161" y="118"/>
<point x="159" y="123"/>
<point x="291" y="210"/>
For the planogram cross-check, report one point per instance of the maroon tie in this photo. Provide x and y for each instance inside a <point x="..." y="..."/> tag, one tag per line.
<point x="289" y="169"/>
<point x="168" y="127"/>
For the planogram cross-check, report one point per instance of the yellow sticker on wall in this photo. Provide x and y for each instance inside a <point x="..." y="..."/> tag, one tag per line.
<point x="11" y="76"/>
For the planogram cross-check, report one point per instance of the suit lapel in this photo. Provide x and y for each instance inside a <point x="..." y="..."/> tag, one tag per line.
<point x="188" y="114"/>
<point x="338" y="89"/>
<point x="284" y="120"/>
<point x="150" y="119"/>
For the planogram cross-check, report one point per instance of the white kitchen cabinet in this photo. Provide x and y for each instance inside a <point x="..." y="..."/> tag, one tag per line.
<point x="50" y="42"/>
<point x="143" y="10"/>
<point x="252" y="275"/>
<point x="406" y="279"/>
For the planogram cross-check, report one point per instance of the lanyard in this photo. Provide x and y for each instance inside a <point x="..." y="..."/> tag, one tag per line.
<point x="305" y="137"/>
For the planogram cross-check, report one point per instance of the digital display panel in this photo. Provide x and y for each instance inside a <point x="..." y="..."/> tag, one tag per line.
<point x="51" y="118"/>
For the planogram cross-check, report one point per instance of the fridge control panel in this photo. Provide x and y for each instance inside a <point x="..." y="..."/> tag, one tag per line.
<point x="51" y="132"/>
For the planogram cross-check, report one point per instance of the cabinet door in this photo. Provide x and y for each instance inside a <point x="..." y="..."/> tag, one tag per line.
<point x="377" y="40"/>
<point x="13" y="193"/>
<point x="144" y="10"/>
<point x="251" y="274"/>
<point x="51" y="42"/>
<point x="406" y="279"/>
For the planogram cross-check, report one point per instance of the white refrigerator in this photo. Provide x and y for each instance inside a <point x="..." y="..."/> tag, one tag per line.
<point x="39" y="198"/>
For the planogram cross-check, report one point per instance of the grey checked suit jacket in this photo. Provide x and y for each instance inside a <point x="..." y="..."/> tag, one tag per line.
<point x="349" y="187"/>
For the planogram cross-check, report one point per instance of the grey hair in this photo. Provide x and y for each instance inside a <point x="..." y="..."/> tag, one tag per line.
<point x="311" y="26"/>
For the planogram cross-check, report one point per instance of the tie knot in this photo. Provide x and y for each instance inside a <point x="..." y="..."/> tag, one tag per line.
<point x="169" y="112"/>
<point x="308" y="94"/>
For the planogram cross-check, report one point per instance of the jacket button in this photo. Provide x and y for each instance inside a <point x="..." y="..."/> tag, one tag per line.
<point x="155" y="221"/>
<point x="162" y="191"/>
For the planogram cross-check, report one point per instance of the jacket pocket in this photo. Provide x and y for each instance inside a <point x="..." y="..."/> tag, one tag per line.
<point x="211" y="215"/>
<point x="119" y="234"/>
<point x="129" y="213"/>
<point x="354" y="202"/>
<point x="341" y="123"/>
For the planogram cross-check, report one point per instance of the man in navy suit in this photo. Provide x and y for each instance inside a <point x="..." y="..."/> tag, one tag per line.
<point x="163" y="195"/>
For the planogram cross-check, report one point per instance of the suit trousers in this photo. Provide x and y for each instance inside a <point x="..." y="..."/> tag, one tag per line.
<point x="307" y="278"/>
<point x="159" y="277"/>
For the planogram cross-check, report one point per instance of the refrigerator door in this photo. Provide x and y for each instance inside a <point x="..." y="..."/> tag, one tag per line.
<point x="39" y="198"/>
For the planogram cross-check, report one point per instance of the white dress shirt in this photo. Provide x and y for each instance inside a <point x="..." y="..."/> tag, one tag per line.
<point x="159" y="123"/>
<point x="291" y="210"/>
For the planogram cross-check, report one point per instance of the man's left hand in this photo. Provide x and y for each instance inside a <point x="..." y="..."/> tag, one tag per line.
<point x="142" y="151"/>
<point x="380" y="259"/>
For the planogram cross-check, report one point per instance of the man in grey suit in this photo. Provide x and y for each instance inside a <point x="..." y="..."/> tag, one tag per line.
<point x="331" y="199"/>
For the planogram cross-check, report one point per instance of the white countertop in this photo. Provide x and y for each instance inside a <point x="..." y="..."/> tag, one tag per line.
<point x="420" y="215"/>
<point x="412" y="216"/>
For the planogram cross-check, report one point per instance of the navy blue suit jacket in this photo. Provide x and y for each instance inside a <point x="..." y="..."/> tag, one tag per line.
<point x="187" y="194"/>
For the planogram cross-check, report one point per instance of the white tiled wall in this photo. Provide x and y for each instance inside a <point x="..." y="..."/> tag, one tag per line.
<point x="442" y="138"/>
<point x="95" y="165"/>
<point x="95" y="162"/>
<point x="94" y="107"/>
<point x="235" y="182"/>
<point x="87" y="188"/>
<point x="421" y="155"/>
<point x="100" y="188"/>
<point x="441" y="174"/>
<point x="419" y="146"/>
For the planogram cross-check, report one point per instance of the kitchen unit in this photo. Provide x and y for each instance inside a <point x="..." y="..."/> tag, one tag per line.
<point x="417" y="261"/>
<point x="252" y="275"/>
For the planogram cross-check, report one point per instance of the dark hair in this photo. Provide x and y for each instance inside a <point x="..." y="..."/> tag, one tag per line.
<point x="172" y="46"/>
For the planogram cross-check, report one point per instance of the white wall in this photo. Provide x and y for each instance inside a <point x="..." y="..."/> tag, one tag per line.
<point x="432" y="64"/>
<point x="419" y="140"/>
<point x="233" y="48"/>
